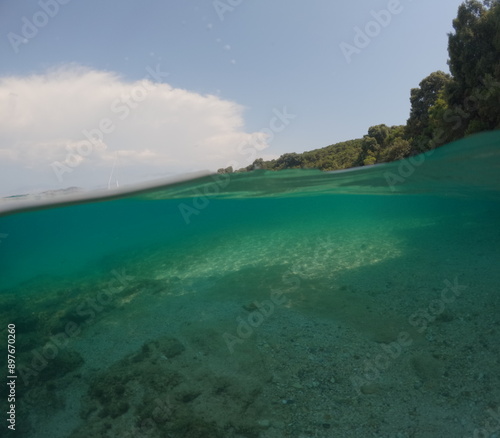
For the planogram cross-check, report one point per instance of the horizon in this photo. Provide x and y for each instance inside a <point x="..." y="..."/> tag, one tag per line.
<point x="200" y="86"/>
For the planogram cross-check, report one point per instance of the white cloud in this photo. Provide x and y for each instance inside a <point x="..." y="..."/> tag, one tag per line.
<point x="147" y="129"/>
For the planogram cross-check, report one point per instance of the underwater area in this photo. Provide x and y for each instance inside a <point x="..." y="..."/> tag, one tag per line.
<point x="360" y="303"/>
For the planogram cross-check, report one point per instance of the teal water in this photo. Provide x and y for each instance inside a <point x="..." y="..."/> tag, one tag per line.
<point x="290" y="304"/>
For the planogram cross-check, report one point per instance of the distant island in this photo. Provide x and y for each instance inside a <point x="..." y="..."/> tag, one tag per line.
<point x="45" y="195"/>
<point x="444" y="107"/>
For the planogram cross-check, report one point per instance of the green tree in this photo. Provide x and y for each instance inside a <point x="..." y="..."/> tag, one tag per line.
<point x="422" y="99"/>
<point x="289" y="161"/>
<point x="226" y="170"/>
<point x="370" y="150"/>
<point x="397" y="150"/>
<point x="473" y="97"/>
<point x="383" y="143"/>
<point x="380" y="133"/>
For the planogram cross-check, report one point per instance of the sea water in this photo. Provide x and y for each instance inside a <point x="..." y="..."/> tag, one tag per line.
<point x="266" y="304"/>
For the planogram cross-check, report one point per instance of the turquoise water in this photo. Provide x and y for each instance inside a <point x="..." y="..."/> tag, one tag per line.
<point x="291" y="304"/>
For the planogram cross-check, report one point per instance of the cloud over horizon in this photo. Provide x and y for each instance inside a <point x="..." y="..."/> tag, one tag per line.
<point x="75" y="126"/>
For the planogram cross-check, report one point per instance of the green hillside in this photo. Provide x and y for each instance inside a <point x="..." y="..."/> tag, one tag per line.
<point x="444" y="107"/>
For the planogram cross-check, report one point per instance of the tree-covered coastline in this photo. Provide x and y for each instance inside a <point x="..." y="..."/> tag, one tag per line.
<point x="444" y="107"/>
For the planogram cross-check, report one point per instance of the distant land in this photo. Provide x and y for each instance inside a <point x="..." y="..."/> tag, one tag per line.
<point x="48" y="194"/>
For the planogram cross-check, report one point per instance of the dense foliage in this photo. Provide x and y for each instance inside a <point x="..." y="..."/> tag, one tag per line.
<point x="443" y="108"/>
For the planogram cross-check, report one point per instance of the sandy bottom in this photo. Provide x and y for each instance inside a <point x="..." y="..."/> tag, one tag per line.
<point x="386" y="331"/>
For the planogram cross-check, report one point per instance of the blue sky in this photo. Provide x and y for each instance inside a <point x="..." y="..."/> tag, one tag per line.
<point x="228" y="70"/>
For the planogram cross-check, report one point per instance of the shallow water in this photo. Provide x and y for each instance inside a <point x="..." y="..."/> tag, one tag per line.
<point x="290" y="304"/>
